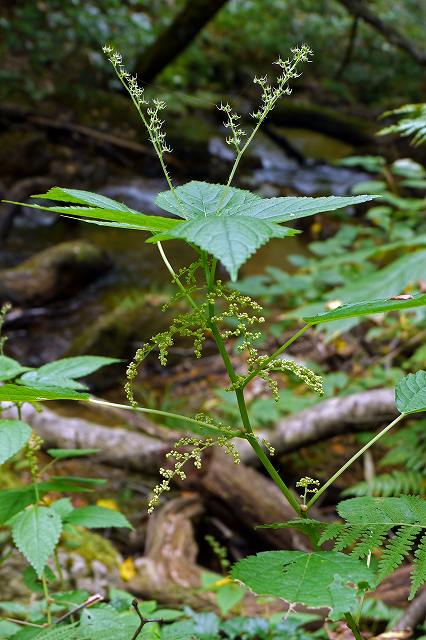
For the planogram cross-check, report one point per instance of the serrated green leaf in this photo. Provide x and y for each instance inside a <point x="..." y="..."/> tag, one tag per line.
<point x="79" y="196"/>
<point x="95" y="517"/>
<point x="231" y="224"/>
<point x="13" y="435"/>
<point x="63" y="507"/>
<point x="36" y="533"/>
<point x="291" y="208"/>
<point x="47" y="381"/>
<point x="231" y="239"/>
<point x="61" y="454"/>
<point x="369" y="307"/>
<point x="18" y="393"/>
<point x="10" y="368"/>
<point x="317" y="579"/>
<point x="62" y="373"/>
<point x="60" y="632"/>
<point x="410" y="393"/>
<point x="98" y="207"/>
<point x="310" y="528"/>
<point x="12" y="501"/>
<point x="202" y="199"/>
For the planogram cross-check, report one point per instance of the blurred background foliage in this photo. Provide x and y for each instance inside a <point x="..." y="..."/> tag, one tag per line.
<point x="49" y="46"/>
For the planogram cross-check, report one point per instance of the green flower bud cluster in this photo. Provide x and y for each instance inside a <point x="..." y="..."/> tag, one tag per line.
<point x="309" y="485"/>
<point x="33" y="447"/>
<point x="189" y="324"/>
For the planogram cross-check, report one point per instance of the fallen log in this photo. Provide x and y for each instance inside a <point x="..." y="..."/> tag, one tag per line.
<point x="337" y="416"/>
<point x="117" y="446"/>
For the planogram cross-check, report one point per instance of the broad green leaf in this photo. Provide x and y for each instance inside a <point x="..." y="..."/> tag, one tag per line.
<point x="118" y="217"/>
<point x="63" y="507"/>
<point x="46" y="381"/>
<point x="410" y="393"/>
<point x="95" y="517"/>
<point x="79" y="196"/>
<point x="231" y="224"/>
<point x="230" y="239"/>
<point x="61" y="454"/>
<point x="317" y="579"/>
<point x="61" y="373"/>
<point x="18" y="393"/>
<point x="59" y="632"/>
<point x="76" y="367"/>
<point x="291" y="208"/>
<point x="202" y="199"/>
<point x="369" y="307"/>
<point x="10" y="368"/>
<point x="36" y="533"/>
<point x="12" y="501"/>
<point x="13" y="435"/>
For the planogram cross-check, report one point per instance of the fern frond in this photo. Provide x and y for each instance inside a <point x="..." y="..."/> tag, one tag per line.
<point x="347" y="536"/>
<point x="374" y="538"/>
<point x="407" y="447"/>
<point x="369" y="520"/>
<point x="390" y="484"/>
<point x="396" y="550"/>
<point x="412" y="122"/>
<point x="418" y="576"/>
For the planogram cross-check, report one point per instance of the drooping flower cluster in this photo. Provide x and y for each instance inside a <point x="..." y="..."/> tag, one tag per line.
<point x="264" y="367"/>
<point x="193" y="449"/>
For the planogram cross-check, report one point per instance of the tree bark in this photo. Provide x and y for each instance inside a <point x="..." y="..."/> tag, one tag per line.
<point x="186" y="25"/>
<point x="392" y="35"/>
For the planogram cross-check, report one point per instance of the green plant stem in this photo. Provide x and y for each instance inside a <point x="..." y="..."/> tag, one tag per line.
<point x="59" y="568"/>
<point x="47" y="598"/>
<point x="276" y="353"/>
<point x="175" y="276"/>
<point x="239" y="393"/>
<point x="157" y="412"/>
<point x="352" y="460"/>
<point x="353" y="626"/>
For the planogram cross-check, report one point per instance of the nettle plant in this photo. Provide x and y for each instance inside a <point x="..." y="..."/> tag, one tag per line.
<point x="226" y="224"/>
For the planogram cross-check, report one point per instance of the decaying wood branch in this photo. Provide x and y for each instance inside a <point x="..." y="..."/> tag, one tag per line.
<point x="117" y="446"/>
<point x="327" y="419"/>
<point x="180" y="33"/>
<point x="415" y="614"/>
<point x="124" y="447"/>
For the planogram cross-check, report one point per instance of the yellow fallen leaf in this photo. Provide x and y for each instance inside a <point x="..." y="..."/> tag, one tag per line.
<point x="223" y="582"/>
<point x="127" y="569"/>
<point x="107" y="503"/>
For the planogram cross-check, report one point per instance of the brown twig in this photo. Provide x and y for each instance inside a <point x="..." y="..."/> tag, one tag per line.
<point x="143" y="620"/>
<point x="87" y="603"/>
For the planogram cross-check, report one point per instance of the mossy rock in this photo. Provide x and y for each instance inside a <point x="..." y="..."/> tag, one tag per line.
<point x="55" y="273"/>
